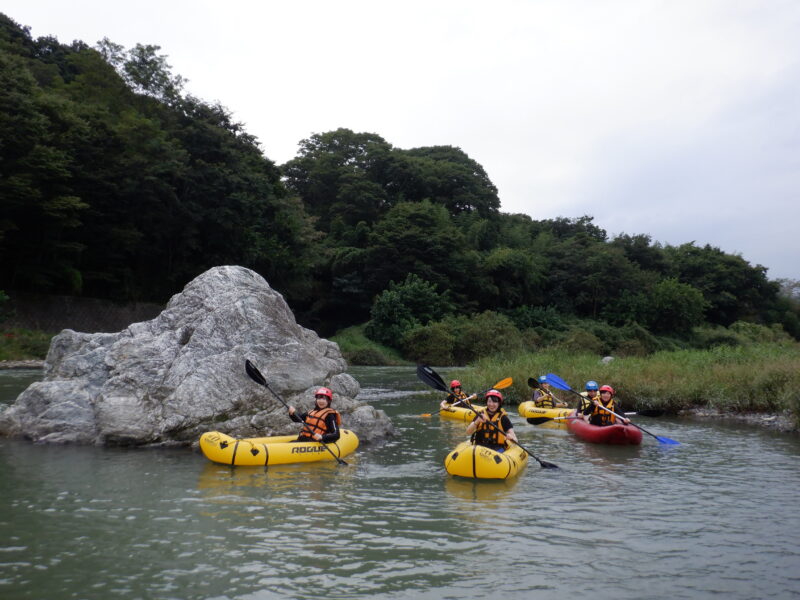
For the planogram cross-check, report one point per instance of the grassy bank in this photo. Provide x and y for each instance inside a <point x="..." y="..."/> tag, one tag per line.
<point x="759" y="377"/>
<point x="24" y="344"/>
<point x="358" y="349"/>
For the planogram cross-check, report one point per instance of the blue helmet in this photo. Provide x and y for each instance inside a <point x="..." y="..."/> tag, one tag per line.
<point x="591" y="385"/>
<point x="543" y="379"/>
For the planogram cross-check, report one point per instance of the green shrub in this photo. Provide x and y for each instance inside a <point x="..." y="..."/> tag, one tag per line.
<point x="403" y="306"/>
<point x="371" y="357"/>
<point x="485" y="334"/>
<point x="24" y="344"/>
<point x="581" y="340"/>
<point x="432" y="344"/>
<point x="357" y="349"/>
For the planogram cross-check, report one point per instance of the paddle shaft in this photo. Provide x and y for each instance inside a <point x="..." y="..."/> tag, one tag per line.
<point x="543" y="463"/>
<point x="561" y="384"/>
<point x="432" y="378"/>
<point x="256" y="376"/>
<point x="659" y="438"/>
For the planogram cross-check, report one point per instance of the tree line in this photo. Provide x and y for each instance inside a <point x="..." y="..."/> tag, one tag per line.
<point x="115" y="184"/>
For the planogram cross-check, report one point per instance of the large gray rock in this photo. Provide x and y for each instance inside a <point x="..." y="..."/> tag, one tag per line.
<point x="168" y="380"/>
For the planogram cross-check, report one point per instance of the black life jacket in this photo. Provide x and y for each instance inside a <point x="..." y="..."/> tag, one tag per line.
<point x="486" y="435"/>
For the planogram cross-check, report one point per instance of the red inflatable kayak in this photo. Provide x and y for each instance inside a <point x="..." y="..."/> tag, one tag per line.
<point x="610" y="434"/>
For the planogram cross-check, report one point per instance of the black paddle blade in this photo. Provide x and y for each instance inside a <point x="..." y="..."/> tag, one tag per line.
<point x="548" y="465"/>
<point x="254" y="373"/>
<point x="532" y="382"/>
<point x="431" y="377"/>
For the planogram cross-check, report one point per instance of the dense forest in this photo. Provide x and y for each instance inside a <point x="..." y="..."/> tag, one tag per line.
<point x="115" y="184"/>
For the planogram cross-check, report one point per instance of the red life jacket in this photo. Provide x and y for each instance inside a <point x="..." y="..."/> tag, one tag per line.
<point x="315" y="422"/>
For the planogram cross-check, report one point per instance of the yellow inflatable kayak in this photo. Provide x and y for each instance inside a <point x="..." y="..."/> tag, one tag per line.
<point x="480" y="462"/>
<point x="540" y="416"/>
<point x="278" y="450"/>
<point x="460" y="413"/>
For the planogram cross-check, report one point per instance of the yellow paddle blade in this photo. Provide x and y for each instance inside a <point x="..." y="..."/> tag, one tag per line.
<point x="504" y="383"/>
<point x="425" y="415"/>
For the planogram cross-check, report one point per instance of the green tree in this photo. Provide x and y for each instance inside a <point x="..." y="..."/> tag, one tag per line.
<point x="402" y="306"/>
<point x="677" y="307"/>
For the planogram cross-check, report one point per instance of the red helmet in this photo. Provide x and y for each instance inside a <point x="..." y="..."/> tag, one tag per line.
<point x="607" y="388"/>
<point x="323" y="391"/>
<point x="494" y="394"/>
<point x="455" y="383"/>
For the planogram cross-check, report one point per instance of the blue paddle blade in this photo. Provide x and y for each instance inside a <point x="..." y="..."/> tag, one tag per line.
<point x="664" y="440"/>
<point x="556" y="381"/>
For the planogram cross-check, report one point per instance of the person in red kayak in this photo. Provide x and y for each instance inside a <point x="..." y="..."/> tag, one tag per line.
<point x="592" y="393"/>
<point x="597" y="413"/>
<point x="492" y="427"/>
<point x="322" y="422"/>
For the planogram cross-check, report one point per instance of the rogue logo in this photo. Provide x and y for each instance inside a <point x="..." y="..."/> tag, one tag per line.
<point x="305" y="449"/>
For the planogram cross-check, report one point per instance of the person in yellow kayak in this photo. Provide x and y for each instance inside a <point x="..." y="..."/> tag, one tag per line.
<point x="322" y="422"/>
<point x="456" y="397"/>
<point x="492" y="427"/>
<point x="595" y="415"/>
<point x="543" y="397"/>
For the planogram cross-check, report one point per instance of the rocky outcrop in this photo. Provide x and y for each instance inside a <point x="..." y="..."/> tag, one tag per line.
<point x="168" y="380"/>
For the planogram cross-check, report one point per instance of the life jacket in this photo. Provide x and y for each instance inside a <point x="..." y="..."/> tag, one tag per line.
<point x="315" y="422"/>
<point x="486" y="435"/>
<point x="545" y="399"/>
<point x="585" y="402"/>
<point x="601" y="417"/>
<point x="453" y="398"/>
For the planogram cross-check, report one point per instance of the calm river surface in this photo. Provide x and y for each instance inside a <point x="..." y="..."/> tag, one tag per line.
<point x="716" y="517"/>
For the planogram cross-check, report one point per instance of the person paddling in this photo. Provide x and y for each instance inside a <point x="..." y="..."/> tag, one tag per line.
<point x="492" y="427"/>
<point x="598" y="416"/>
<point x="456" y="397"/>
<point x="322" y="422"/>
<point x="591" y="393"/>
<point x="543" y="397"/>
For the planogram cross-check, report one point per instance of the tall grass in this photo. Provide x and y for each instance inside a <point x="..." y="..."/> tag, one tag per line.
<point x="24" y="344"/>
<point x="757" y="377"/>
<point x="358" y="349"/>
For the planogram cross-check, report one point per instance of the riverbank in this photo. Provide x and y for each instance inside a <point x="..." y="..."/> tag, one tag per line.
<point x="780" y="422"/>
<point x="21" y="364"/>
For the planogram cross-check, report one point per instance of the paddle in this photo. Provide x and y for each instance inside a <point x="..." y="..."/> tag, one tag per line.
<point x="256" y="376"/>
<point x="533" y="383"/>
<point x="432" y="378"/>
<point x="429" y="376"/>
<point x="562" y="385"/>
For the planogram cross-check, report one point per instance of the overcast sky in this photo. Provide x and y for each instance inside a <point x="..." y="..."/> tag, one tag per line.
<point x="677" y="119"/>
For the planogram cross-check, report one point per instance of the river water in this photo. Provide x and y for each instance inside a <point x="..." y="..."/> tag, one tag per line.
<point x="716" y="517"/>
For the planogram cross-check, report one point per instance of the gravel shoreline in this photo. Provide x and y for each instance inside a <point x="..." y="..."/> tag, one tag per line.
<point x="782" y="422"/>
<point x="21" y="364"/>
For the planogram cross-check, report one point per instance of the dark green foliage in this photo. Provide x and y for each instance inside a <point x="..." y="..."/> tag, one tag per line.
<point x="733" y="288"/>
<point x="115" y="184"/>
<point x="432" y="344"/>
<point x="677" y="307"/>
<point x="537" y="317"/>
<point x="403" y="306"/>
<point x="460" y="339"/>
<point x="112" y="184"/>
